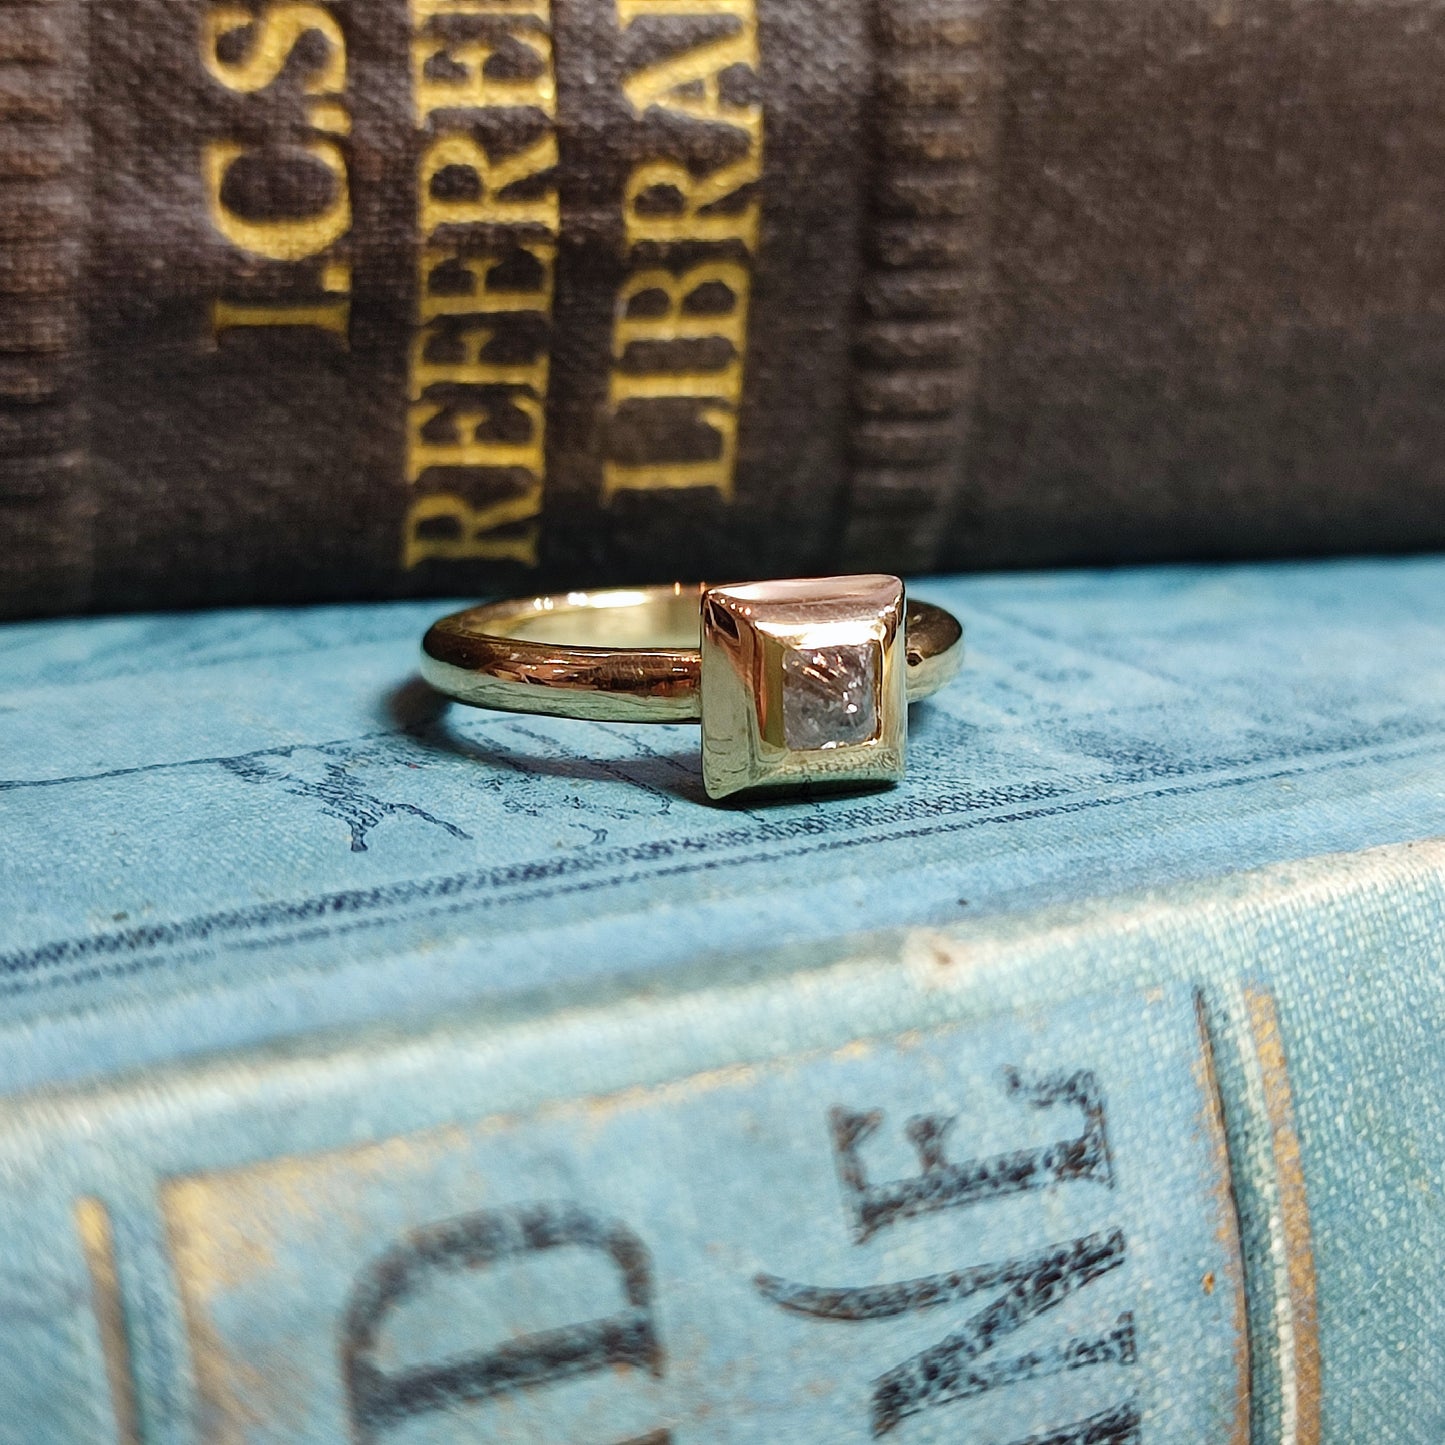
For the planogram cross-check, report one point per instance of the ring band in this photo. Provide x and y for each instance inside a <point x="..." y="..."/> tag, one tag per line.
<point x="793" y="681"/>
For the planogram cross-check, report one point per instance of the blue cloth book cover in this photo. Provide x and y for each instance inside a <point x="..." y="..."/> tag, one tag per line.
<point x="376" y="1070"/>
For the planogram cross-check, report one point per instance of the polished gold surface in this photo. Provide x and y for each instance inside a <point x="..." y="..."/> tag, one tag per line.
<point x="621" y="654"/>
<point x="803" y="682"/>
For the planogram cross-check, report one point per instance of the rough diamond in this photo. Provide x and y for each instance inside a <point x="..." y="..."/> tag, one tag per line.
<point x="830" y="696"/>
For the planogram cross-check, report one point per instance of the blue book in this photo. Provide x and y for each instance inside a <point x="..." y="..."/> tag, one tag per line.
<point x="378" y="1071"/>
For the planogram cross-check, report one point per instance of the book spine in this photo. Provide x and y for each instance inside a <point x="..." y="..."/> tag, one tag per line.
<point x="44" y="144"/>
<point x="1087" y="1179"/>
<point x="366" y="297"/>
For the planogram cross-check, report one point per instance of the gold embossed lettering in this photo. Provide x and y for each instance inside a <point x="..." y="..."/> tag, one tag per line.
<point x="247" y="52"/>
<point x="442" y="525"/>
<point x="681" y="476"/>
<point x="691" y="346"/>
<point x="464" y="84"/>
<point x="482" y="293"/>
<point x="693" y="220"/>
<point x="472" y="369"/>
<point x="490" y="179"/>
<point x="479" y="364"/>
<point x="289" y="238"/>
<point x="278" y="29"/>
<point x="463" y="448"/>
<point x="329" y="316"/>
<point x="675" y="321"/>
<point x="424" y="10"/>
<point x="689" y="82"/>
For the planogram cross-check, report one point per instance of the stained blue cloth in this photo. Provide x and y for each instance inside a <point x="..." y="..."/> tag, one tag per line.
<point x="359" y="1049"/>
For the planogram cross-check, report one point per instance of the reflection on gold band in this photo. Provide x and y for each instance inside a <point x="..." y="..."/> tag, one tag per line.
<point x="620" y="654"/>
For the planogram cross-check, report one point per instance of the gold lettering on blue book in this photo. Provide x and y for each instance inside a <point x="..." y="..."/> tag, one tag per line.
<point x="1021" y="1289"/>
<point x="97" y="1239"/>
<point x="690" y="225"/>
<point x="298" y="273"/>
<point x="1295" y="1306"/>
<point x="379" y="1401"/>
<point x="488" y="218"/>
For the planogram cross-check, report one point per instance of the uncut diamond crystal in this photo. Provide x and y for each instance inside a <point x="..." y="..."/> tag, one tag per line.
<point x="830" y="697"/>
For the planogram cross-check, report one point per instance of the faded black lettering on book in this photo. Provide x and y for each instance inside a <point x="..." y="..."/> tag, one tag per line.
<point x="379" y="1402"/>
<point x="943" y="1185"/>
<point x="1118" y="1426"/>
<point x="963" y="1365"/>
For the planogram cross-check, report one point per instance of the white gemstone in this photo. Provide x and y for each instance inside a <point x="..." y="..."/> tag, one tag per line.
<point x="830" y="696"/>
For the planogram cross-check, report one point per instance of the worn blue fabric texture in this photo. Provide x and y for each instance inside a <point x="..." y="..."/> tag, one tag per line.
<point x="375" y="1070"/>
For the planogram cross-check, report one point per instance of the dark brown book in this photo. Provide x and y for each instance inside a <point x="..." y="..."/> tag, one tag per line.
<point x="341" y="298"/>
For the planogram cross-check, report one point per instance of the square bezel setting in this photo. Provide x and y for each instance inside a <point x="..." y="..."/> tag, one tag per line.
<point x="803" y="681"/>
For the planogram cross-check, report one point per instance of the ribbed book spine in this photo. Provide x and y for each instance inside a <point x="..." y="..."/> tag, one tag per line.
<point x="44" y="184"/>
<point x="362" y="298"/>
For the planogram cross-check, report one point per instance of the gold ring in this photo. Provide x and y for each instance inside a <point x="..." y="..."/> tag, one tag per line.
<point x="799" y="681"/>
